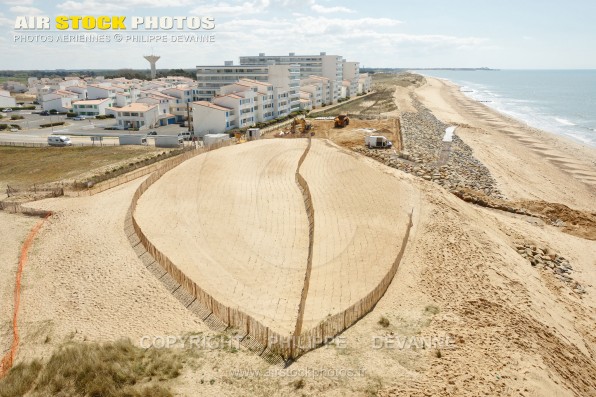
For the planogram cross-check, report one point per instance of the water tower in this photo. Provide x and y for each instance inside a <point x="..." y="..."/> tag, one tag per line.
<point x="152" y="60"/>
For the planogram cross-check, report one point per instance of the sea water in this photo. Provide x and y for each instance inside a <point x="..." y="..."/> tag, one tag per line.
<point x="558" y="101"/>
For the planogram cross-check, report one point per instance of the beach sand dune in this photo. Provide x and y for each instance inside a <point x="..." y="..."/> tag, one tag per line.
<point x="83" y="280"/>
<point x="507" y="327"/>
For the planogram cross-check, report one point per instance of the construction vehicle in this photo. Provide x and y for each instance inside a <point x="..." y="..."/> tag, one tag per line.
<point x="300" y="125"/>
<point x="341" y="121"/>
<point x="377" y="141"/>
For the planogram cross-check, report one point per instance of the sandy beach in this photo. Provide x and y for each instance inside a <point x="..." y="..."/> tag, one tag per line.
<point x="513" y="328"/>
<point x="527" y="163"/>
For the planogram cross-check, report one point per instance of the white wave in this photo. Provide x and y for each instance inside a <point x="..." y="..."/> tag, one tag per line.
<point x="564" y="121"/>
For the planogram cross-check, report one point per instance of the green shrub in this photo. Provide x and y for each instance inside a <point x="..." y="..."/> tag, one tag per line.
<point x="115" y="369"/>
<point x="51" y="124"/>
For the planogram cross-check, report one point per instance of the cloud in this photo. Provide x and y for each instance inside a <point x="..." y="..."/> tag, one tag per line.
<point x="22" y="10"/>
<point x="330" y="10"/>
<point x="5" y="21"/>
<point x="101" y="7"/>
<point x="90" y="6"/>
<point x="375" y="37"/>
<point x="18" y="2"/>
<point x="242" y="8"/>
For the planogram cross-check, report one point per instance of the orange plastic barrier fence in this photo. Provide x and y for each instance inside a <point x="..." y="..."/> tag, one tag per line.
<point x="7" y="360"/>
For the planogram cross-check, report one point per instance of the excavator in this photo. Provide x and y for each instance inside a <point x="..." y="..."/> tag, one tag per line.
<point x="300" y="125"/>
<point x="341" y="121"/>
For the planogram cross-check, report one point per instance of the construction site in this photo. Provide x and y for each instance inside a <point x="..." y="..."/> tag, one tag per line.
<point x="355" y="251"/>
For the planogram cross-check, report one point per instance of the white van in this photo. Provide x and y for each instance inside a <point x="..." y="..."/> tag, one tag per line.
<point x="59" y="141"/>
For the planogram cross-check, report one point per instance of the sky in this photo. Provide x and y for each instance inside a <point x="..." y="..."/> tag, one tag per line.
<point x="502" y="34"/>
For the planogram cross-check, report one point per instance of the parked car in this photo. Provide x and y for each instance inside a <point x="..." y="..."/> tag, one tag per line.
<point x="7" y="110"/>
<point x="79" y="118"/>
<point x="152" y="133"/>
<point x="186" y="135"/>
<point x="44" y="113"/>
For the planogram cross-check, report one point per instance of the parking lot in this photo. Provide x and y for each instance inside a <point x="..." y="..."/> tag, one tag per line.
<point x="80" y="131"/>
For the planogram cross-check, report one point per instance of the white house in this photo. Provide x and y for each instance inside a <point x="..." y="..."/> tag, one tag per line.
<point x="6" y="101"/>
<point x="101" y="91"/>
<point x="364" y="83"/>
<point x="15" y="86"/>
<point x="209" y="118"/>
<point x="139" y="116"/>
<point x="92" y="107"/>
<point x="60" y="101"/>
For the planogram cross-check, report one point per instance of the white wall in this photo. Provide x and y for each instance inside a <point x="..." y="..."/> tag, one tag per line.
<point x="207" y="120"/>
<point x="6" y="100"/>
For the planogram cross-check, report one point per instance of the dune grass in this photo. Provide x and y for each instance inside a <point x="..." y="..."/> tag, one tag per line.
<point x="117" y="369"/>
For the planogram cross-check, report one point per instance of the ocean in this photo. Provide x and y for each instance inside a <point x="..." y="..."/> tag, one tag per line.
<point x="558" y="101"/>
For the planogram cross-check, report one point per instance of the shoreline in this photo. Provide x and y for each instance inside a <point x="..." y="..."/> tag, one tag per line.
<point x="568" y="139"/>
<point x="524" y="118"/>
<point x="527" y="163"/>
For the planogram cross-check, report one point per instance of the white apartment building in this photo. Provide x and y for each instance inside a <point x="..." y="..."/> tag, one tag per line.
<point x="184" y="95"/>
<point x="264" y="108"/>
<point x="325" y="88"/>
<point x="240" y="105"/>
<point x="243" y="104"/>
<point x="211" y="78"/>
<point x="286" y="77"/>
<point x="282" y="102"/>
<point x="91" y="107"/>
<point x="306" y="100"/>
<point x="126" y="94"/>
<point x="7" y="101"/>
<point x="323" y="65"/>
<point x="139" y="116"/>
<point x="315" y="93"/>
<point x="351" y="73"/>
<point x="163" y="101"/>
